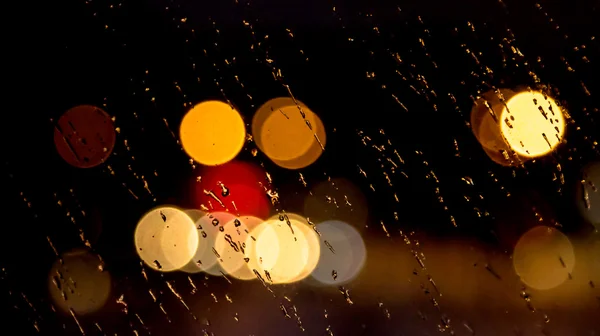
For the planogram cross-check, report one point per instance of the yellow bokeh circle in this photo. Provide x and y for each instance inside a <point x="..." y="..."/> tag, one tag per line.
<point x="79" y="282"/>
<point x="212" y="133"/>
<point x="281" y="250"/>
<point x="532" y="123"/>
<point x="543" y="258"/>
<point x="166" y="239"/>
<point x="288" y="133"/>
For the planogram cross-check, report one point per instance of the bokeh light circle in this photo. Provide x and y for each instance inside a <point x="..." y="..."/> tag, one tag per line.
<point x="284" y="136"/>
<point x="166" y="239"/>
<point x="84" y="136"/>
<point x="237" y="187"/>
<point x="543" y="258"/>
<point x="212" y="133"/>
<point x="343" y="253"/>
<point x="532" y="123"/>
<point x="79" y="282"/>
<point x="279" y="250"/>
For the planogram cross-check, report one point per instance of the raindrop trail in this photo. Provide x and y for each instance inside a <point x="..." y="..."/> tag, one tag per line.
<point x="76" y="321"/>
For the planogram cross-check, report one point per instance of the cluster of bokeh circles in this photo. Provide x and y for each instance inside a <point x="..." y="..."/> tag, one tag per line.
<point x="514" y="126"/>
<point x="233" y="229"/>
<point x="282" y="249"/>
<point x="234" y="232"/>
<point x="212" y="133"/>
<point x="284" y="129"/>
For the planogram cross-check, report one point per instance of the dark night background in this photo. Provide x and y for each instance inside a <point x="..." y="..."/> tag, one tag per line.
<point x="129" y="57"/>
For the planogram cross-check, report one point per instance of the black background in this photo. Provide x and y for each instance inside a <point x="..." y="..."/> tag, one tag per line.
<point x="72" y="52"/>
